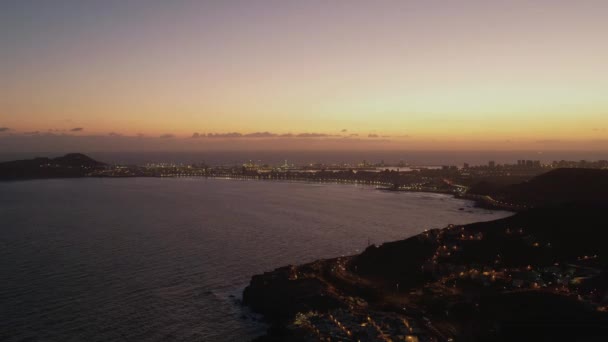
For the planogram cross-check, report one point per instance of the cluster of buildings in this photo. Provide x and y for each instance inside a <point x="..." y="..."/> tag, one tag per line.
<point x="573" y="277"/>
<point x="446" y="179"/>
<point x="581" y="164"/>
<point x="350" y="325"/>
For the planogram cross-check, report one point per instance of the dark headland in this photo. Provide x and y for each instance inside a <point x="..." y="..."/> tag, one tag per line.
<point x="540" y="275"/>
<point x="69" y="166"/>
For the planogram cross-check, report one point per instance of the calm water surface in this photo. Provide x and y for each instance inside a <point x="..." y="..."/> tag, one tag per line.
<point x="148" y="259"/>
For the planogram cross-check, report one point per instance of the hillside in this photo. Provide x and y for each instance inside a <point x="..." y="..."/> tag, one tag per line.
<point x="70" y="165"/>
<point x="541" y="274"/>
<point x="538" y="275"/>
<point x="558" y="186"/>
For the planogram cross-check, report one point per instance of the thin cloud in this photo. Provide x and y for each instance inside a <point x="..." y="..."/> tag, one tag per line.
<point x="371" y="135"/>
<point x="312" y="135"/>
<point x="77" y="129"/>
<point x="344" y="130"/>
<point x="253" y="135"/>
<point x="4" y="129"/>
<point x="260" y="135"/>
<point x="225" y="135"/>
<point x="114" y="134"/>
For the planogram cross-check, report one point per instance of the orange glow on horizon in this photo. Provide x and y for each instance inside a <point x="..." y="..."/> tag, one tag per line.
<point x="414" y="75"/>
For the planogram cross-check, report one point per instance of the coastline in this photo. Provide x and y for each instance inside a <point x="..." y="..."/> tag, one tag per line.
<point x="435" y="285"/>
<point x="336" y="222"/>
<point x="480" y="201"/>
<point x="443" y="284"/>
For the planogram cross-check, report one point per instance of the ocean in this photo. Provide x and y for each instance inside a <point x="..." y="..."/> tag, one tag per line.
<point x="150" y="259"/>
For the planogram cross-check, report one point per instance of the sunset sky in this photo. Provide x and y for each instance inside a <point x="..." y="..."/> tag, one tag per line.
<point x="304" y="74"/>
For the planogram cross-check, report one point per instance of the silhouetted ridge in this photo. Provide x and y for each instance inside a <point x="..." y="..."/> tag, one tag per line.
<point x="70" y="165"/>
<point x="559" y="186"/>
<point x="77" y="159"/>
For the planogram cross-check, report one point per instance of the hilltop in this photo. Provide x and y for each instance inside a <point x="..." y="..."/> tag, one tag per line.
<point x="559" y="186"/>
<point x="68" y="166"/>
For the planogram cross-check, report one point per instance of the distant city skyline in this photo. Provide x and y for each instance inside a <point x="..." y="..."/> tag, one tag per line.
<point x="308" y="75"/>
